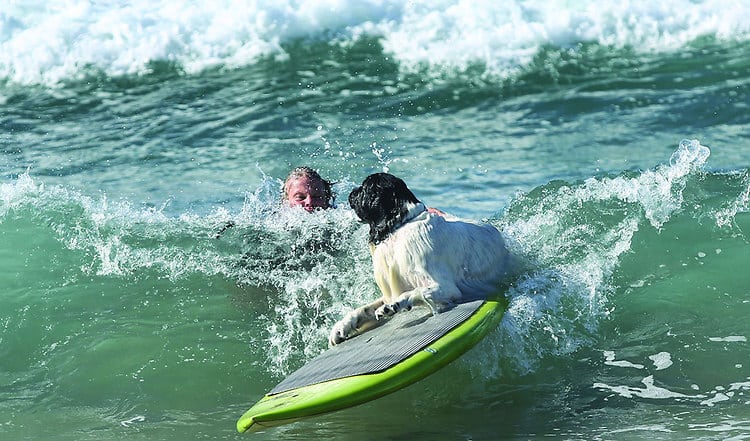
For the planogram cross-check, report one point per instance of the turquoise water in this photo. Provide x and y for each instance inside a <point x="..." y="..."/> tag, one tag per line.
<point x="608" y="141"/>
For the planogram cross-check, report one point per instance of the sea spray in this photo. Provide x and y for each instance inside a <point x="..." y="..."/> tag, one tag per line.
<point x="572" y="237"/>
<point x="311" y="267"/>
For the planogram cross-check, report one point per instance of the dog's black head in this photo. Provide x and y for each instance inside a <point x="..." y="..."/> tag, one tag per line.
<point x="382" y="201"/>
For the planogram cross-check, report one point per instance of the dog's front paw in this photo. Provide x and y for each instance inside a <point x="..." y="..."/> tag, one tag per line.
<point x="390" y="309"/>
<point x="384" y="311"/>
<point x="343" y="329"/>
<point x="339" y="333"/>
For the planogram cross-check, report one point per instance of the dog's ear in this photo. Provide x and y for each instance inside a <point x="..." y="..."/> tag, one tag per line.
<point x="356" y="201"/>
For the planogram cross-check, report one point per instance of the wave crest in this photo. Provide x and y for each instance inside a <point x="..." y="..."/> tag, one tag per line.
<point x="50" y="42"/>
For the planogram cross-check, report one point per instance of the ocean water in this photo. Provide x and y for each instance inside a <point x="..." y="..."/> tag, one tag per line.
<point x="608" y="140"/>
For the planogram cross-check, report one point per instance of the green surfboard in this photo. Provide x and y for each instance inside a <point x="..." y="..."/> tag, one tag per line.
<point x="408" y="347"/>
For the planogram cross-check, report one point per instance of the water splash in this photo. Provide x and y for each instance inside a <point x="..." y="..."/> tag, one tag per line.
<point x="573" y="237"/>
<point x="308" y="268"/>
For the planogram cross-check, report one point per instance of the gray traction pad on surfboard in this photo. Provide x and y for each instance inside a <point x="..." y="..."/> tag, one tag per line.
<point x="376" y="350"/>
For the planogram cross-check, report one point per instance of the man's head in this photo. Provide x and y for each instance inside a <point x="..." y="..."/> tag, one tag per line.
<point x="305" y="188"/>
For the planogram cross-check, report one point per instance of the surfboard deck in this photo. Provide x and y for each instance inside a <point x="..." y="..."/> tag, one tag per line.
<point x="408" y="347"/>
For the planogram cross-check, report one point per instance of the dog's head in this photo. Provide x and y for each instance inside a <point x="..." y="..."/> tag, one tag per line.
<point x="382" y="201"/>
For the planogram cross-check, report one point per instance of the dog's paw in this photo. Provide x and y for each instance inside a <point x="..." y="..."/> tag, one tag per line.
<point x="343" y="329"/>
<point x="338" y="334"/>
<point x="390" y="309"/>
<point x="384" y="311"/>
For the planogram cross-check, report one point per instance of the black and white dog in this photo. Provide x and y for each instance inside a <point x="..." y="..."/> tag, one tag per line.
<point x="420" y="256"/>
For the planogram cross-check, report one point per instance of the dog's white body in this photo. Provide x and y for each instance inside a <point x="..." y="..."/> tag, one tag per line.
<point x="430" y="259"/>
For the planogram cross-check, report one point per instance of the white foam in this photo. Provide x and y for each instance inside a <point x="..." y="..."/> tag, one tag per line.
<point x="552" y="310"/>
<point x="506" y="35"/>
<point x="662" y="360"/>
<point x="609" y="359"/>
<point x="717" y="398"/>
<point x="659" y="191"/>
<point x="649" y="391"/>
<point x="729" y="339"/>
<point x="45" y="41"/>
<point x="14" y="192"/>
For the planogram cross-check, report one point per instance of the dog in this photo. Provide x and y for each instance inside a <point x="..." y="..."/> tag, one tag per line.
<point x="420" y="256"/>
